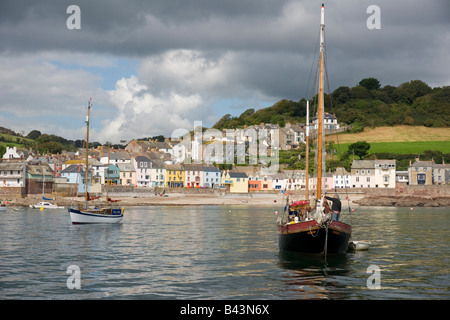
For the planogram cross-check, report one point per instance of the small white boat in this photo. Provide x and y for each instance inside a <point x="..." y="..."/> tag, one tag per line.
<point x="45" y="205"/>
<point x="103" y="215"/>
<point x="362" y="245"/>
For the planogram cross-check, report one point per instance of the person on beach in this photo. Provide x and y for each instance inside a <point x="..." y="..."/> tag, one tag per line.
<point x="335" y="207"/>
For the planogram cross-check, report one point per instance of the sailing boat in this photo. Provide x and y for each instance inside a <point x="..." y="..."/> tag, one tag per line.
<point x="316" y="232"/>
<point x="99" y="214"/>
<point x="45" y="204"/>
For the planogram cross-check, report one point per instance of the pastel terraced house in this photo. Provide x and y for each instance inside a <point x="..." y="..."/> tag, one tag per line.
<point x="235" y="182"/>
<point x="211" y="176"/>
<point x="194" y="175"/>
<point x="142" y="166"/>
<point x="175" y="176"/>
<point x="127" y="174"/>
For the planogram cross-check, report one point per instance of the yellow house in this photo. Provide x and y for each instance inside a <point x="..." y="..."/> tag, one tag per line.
<point x="235" y="181"/>
<point x="175" y="176"/>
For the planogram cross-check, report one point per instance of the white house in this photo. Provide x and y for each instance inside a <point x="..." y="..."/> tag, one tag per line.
<point x="193" y="175"/>
<point x="142" y="166"/>
<point x="12" y="174"/>
<point x="330" y="122"/>
<point x="14" y="153"/>
<point x="341" y="178"/>
<point x="373" y="174"/>
<point x="157" y="173"/>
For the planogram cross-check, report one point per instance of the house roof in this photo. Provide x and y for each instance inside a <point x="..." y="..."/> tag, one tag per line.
<point x="174" y="167"/>
<point x="128" y="167"/>
<point x="423" y="164"/>
<point x="210" y="169"/>
<point x="142" y="159"/>
<point x="11" y="165"/>
<point x="235" y="174"/>
<point x="39" y="170"/>
<point x="73" y="169"/>
<point x="157" y="164"/>
<point x="363" y="164"/>
<point x="193" y="167"/>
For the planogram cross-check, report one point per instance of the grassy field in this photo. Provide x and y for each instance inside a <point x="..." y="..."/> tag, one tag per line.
<point x="398" y="139"/>
<point x="402" y="147"/>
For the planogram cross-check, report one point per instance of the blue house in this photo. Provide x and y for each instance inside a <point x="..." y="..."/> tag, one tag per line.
<point x="112" y="174"/>
<point x="211" y="177"/>
<point x="76" y="174"/>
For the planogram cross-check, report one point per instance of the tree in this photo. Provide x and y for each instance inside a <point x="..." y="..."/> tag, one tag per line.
<point x="409" y="91"/>
<point x="219" y="124"/>
<point x="360" y="148"/>
<point x="370" y="83"/>
<point x="34" y="134"/>
<point x="247" y="113"/>
<point x="342" y="94"/>
<point x="360" y="92"/>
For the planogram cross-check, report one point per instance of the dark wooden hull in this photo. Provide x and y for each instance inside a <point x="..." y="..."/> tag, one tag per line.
<point x="309" y="237"/>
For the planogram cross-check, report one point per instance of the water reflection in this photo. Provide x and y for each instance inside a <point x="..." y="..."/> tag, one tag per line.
<point x="312" y="276"/>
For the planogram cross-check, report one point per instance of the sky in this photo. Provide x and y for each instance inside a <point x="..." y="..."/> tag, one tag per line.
<point x="154" y="66"/>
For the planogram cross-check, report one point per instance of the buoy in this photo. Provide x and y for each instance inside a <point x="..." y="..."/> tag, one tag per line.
<point x="276" y="212"/>
<point x="42" y="209"/>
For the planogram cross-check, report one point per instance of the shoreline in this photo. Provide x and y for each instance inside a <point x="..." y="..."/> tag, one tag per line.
<point x="182" y="199"/>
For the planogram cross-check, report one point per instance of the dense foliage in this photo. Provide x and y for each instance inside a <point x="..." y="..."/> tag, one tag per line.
<point x="367" y="104"/>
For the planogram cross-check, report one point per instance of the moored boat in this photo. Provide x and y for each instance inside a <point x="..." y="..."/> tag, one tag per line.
<point x="310" y="226"/>
<point x="362" y="245"/>
<point x="87" y="215"/>
<point x="96" y="215"/>
<point x="45" y="205"/>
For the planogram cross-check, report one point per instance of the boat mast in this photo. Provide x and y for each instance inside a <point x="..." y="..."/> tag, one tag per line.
<point x="87" y="156"/>
<point x="307" y="153"/>
<point x="107" y="175"/>
<point x="321" y="105"/>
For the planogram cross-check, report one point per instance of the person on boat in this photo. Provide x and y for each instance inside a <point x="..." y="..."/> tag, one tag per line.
<point x="335" y="207"/>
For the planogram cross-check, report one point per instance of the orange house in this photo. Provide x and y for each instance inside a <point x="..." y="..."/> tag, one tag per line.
<point x="254" y="185"/>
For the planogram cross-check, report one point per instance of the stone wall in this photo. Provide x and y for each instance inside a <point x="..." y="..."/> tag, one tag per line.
<point x="13" y="192"/>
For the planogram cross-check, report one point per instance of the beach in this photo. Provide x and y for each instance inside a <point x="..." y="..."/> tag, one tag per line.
<point x="246" y="199"/>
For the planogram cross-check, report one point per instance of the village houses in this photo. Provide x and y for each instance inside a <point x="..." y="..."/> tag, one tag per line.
<point x="152" y="164"/>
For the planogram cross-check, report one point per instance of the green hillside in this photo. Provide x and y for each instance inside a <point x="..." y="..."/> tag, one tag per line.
<point x="365" y="105"/>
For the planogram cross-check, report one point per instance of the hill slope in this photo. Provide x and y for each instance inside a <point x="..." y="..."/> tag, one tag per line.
<point x="400" y="133"/>
<point x="411" y="103"/>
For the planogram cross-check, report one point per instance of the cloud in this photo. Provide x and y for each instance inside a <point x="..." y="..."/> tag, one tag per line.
<point x="34" y="90"/>
<point x="153" y="66"/>
<point x="142" y="114"/>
